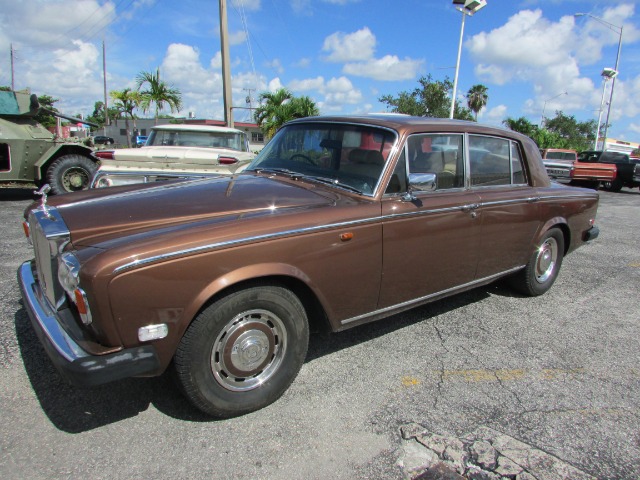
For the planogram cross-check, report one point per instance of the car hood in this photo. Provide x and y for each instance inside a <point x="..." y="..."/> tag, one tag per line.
<point x="103" y="217"/>
<point x="167" y="157"/>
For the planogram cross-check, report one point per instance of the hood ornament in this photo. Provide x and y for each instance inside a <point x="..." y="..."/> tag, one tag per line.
<point x="43" y="201"/>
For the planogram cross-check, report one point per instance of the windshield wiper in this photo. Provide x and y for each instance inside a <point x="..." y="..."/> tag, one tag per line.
<point x="282" y="171"/>
<point x="335" y="182"/>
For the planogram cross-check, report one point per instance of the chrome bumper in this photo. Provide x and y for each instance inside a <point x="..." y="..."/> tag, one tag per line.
<point x="75" y="364"/>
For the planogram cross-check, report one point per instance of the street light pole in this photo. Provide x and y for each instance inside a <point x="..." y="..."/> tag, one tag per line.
<point x="468" y="7"/>
<point x="618" y="30"/>
<point x="607" y="74"/>
<point x="455" y="77"/>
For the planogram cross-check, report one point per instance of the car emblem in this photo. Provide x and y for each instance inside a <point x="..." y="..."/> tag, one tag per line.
<point x="43" y="193"/>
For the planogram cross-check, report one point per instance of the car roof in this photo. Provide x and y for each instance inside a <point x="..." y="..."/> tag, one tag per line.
<point x="196" y="128"/>
<point x="411" y="124"/>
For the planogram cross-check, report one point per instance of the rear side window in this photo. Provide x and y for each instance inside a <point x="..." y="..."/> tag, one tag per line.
<point x="495" y="161"/>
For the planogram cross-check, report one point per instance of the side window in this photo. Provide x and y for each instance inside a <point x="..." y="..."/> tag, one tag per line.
<point x="495" y="161"/>
<point x="440" y="154"/>
<point x="517" y="169"/>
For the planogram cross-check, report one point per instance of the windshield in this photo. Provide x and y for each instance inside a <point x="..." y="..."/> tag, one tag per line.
<point x="190" y="138"/>
<point x="347" y="156"/>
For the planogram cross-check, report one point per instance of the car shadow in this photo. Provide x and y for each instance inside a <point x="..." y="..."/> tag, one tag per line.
<point x="11" y="194"/>
<point x="75" y="410"/>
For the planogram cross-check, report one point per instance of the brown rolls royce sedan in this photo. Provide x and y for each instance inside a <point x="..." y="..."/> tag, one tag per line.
<point x="337" y="222"/>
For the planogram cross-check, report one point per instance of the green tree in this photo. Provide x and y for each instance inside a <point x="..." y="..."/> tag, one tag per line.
<point x="520" y="125"/>
<point x="431" y="99"/>
<point x="279" y="107"/>
<point x="158" y="93"/>
<point x="477" y="99"/>
<point x="126" y="101"/>
<point x="46" y="119"/>
<point x="577" y="135"/>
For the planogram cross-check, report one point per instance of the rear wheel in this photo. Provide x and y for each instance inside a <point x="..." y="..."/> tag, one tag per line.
<point x="243" y="351"/>
<point x="542" y="269"/>
<point x="614" y="186"/>
<point x="70" y="173"/>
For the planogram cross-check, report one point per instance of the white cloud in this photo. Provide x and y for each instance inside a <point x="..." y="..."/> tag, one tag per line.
<point x="276" y="65"/>
<point x="387" y="68"/>
<point x="250" y="5"/>
<point x="531" y="49"/>
<point x="307" y="84"/>
<point x="350" y="47"/>
<point x="236" y="38"/>
<point x="356" y="50"/>
<point x="494" y="115"/>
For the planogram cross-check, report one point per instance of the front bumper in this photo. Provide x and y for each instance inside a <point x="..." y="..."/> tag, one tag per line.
<point x="75" y="364"/>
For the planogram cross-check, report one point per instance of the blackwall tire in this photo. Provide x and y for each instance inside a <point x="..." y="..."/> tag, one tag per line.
<point x="614" y="186"/>
<point x="242" y="352"/>
<point x="70" y="173"/>
<point x="543" y="267"/>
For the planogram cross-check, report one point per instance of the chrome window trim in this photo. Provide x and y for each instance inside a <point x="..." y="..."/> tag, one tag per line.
<point x="447" y="291"/>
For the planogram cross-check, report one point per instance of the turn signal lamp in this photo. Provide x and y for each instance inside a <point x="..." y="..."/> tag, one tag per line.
<point x="153" y="332"/>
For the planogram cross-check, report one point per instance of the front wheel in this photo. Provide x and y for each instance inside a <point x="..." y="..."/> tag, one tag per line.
<point x="70" y="173"/>
<point x="242" y="352"/>
<point x="542" y="269"/>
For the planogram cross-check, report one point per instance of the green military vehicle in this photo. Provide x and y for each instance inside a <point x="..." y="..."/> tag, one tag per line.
<point x="29" y="153"/>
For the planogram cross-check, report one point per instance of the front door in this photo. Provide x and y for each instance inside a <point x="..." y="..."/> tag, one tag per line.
<point x="429" y="244"/>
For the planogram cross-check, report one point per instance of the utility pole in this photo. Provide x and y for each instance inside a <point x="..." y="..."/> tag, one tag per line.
<point x="104" y="76"/>
<point x="226" y="68"/>
<point x="13" y="73"/>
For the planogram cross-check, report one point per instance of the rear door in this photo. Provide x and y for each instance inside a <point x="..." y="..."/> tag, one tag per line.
<point x="509" y="210"/>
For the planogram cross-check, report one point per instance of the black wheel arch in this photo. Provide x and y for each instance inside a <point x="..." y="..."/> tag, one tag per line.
<point x="66" y="149"/>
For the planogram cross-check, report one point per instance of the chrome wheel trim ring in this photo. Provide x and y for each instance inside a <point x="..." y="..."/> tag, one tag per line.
<point x="248" y="350"/>
<point x="546" y="260"/>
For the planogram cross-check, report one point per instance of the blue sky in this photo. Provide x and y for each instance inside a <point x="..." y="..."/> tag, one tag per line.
<point x="344" y="54"/>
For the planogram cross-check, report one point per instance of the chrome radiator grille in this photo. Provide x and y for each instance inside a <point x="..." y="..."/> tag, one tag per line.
<point x="49" y="235"/>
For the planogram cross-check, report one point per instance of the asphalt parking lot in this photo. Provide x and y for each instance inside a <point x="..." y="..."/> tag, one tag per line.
<point x="560" y="373"/>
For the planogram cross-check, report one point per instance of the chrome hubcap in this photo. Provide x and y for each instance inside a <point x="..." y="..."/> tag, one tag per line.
<point x="546" y="260"/>
<point x="248" y="350"/>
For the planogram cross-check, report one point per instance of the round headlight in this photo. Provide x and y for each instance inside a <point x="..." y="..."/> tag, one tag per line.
<point x="68" y="271"/>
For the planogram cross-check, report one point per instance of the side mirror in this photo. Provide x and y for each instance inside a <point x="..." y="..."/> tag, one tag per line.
<point x="420" y="182"/>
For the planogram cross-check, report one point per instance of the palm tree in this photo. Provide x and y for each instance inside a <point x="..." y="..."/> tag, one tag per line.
<point x="477" y="98"/>
<point x="279" y="107"/>
<point x="158" y="93"/>
<point x="126" y="101"/>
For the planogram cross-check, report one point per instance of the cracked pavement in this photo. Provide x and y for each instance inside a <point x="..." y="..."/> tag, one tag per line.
<point x="560" y="373"/>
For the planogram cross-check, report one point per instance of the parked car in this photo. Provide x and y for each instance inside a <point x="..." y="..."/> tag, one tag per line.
<point x="175" y="151"/>
<point x="562" y="165"/>
<point x="627" y="170"/>
<point x="338" y="221"/>
<point x="102" y="140"/>
<point x="141" y="140"/>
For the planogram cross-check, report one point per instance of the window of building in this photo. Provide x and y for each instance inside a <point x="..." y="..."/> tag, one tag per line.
<point x="257" y="137"/>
